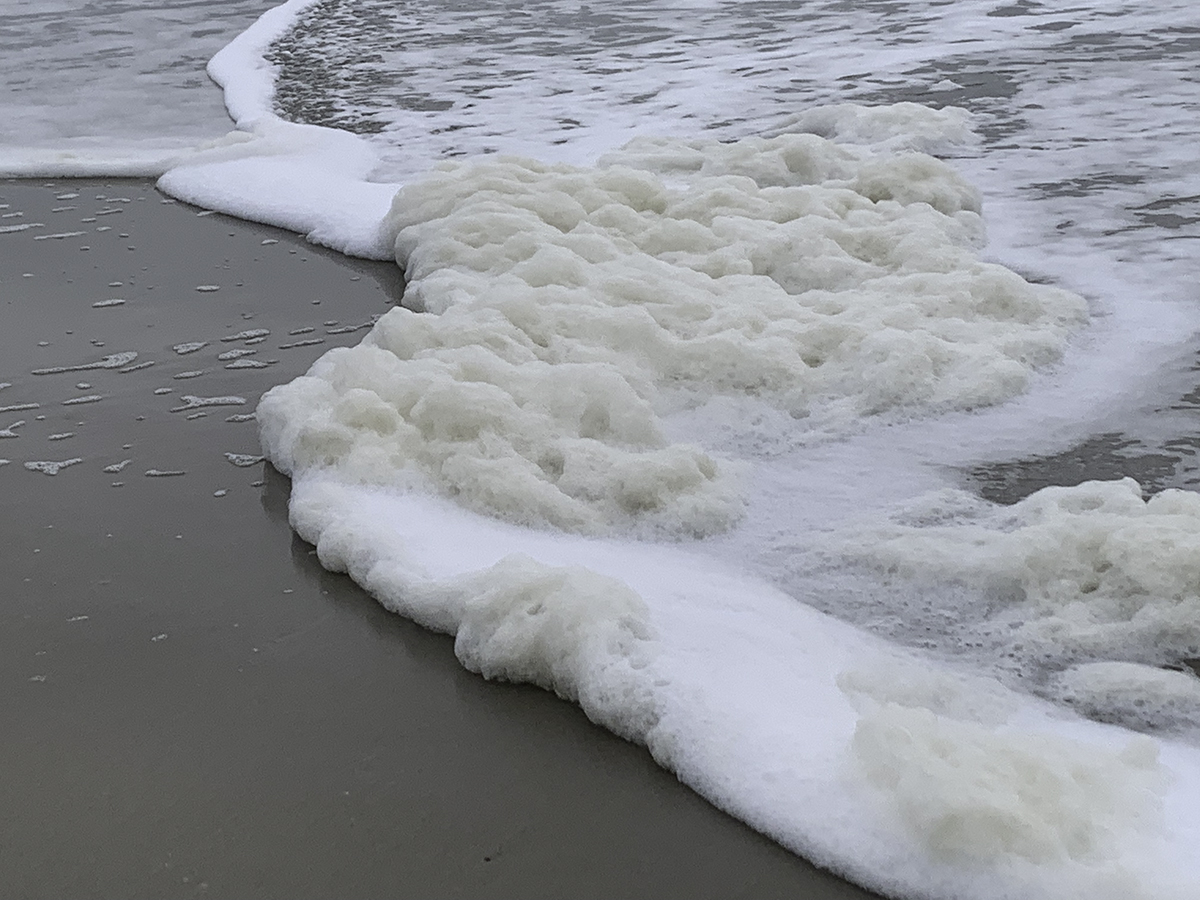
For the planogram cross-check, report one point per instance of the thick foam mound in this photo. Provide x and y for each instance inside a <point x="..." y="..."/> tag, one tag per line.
<point x="577" y="309"/>
<point x="1087" y="592"/>
<point x="971" y="791"/>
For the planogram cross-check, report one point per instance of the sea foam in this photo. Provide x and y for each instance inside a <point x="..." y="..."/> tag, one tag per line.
<point x="577" y="308"/>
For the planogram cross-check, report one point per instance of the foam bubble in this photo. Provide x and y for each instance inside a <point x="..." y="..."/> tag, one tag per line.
<point x="242" y="460"/>
<point x="112" y="361"/>
<point x="247" y="334"/>
<point x="190" y="401"/>
<point x="52" y="467"/>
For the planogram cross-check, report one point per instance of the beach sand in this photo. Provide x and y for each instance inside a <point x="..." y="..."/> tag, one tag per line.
<point x="191" y="705"/>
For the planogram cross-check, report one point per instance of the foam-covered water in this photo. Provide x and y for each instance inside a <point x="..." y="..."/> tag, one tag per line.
<point x="677" y="417"/>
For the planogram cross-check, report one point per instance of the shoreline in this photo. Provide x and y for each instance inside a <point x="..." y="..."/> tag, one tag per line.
<point x="199" y="709"/>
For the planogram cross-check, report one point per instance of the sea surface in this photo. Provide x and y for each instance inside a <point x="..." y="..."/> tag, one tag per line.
<point x="765" y="383"/>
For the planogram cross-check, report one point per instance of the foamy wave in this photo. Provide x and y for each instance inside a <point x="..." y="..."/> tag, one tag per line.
<point x="578" y="308"/>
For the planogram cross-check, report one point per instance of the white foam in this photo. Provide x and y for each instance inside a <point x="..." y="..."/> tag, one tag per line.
<point x="578" y="309"/>
<point x="52" y="467"/>
<point x="1086" y="591"/>
<point x="736" y="687"/>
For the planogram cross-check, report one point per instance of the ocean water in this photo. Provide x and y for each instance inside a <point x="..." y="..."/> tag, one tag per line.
<point x="751" y="360"/>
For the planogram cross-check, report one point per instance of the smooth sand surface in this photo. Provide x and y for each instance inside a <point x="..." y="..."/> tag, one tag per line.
<point x="191" y="705"/>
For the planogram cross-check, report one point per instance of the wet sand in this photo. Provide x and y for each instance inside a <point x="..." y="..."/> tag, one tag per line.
<point x="191" y="705"/>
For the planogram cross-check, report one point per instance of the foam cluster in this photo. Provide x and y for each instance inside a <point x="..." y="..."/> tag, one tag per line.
<point x="574" y="309"/>
<point x="973" y="792"/>
<point x="1090" y="591"/>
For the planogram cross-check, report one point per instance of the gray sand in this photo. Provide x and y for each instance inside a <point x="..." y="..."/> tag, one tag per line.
<point x="191" y="705"/>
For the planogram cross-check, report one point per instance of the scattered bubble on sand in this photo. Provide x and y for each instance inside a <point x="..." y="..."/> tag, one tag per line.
<point x="115" y="301"/>
<point x="37" y="678"/>
<point x="268" y="241"/>
<point x="164" y="473"/>
<point x="220" y="493"/>
<point x="138" y="367"/>
<point x="257" y="340"/>
<point x="193" y="402"/>
<point x="5" y="384"/>
<point x="117" y="467"/>
<point x="258" y="483"/>
<point x="243" y="460"/>
<point x="61" y="436"/>
<point x="68" y="196"/>
<point x="236" y="353"/>
<point x="63" y="208"/>
<point x="207" y="288"/>
<point x="88" y="219"/>
<point x="241" y="417"/>
<point x="205" y="212"/>
<point x="347" y="329"/>
<point x="196" y="415"/>
<point x="83" y="385"/>
<point x="163" y="390"/>
<point x="78" y="618"/>
<point x="116" y="284"/>
<point x="104" y="228"/>
<point x="307" y="329"/>
<point x="17" y="407"/>
<point x="112" y="361"/>
<point x="90" y="398"/>
<point x="24" y="226"/>
<point x="158" y="637"/>
<point x="9" y="432"/>
<point x="250" y="364"/>
<point x="195" y="373"/>
<point x="5" y="462"/>
<point x="57" y="237"/>
<point x="118" y="484"/>
<point x="189" y="347"/>
<point x="51" y="467"/>
<point x="109" y="212"/>
<point x="309" y="343"/>
<point x="248" y="334"/>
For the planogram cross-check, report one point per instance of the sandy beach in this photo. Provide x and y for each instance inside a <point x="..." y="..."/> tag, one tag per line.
<point x="192" y="706"/>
